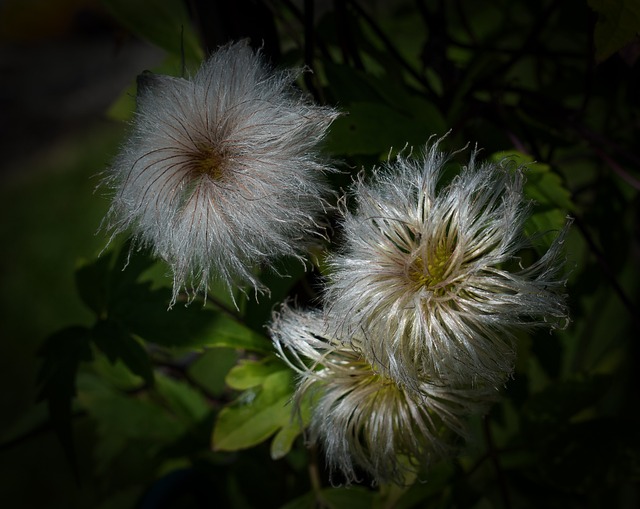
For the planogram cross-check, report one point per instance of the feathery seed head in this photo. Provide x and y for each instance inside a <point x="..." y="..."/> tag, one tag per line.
<point x="363" y="419"/>
<point x="221" y="172"/>
<point x="424" y="273"/>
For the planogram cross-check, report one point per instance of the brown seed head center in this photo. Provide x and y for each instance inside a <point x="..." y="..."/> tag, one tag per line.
<point x="208" y="160"/>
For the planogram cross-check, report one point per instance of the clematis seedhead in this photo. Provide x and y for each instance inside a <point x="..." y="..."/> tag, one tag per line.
<point x="221" y="173"/>
<point x="430" y="273"/>
<point x="364" y="420"/>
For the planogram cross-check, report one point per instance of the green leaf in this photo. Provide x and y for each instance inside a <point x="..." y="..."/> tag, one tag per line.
<point x="124" y="106"/>
<point x="92" y="283"/>
<point x="123" y="292"/>
<point x="256" y="415"/>
<point x="116" y="373"/>
<point x="288" y="272"/>
<point x="303" y="502"/>
<point x="116" y="343"/>
<point x="162" y="22"/>
<point x="543" y="185"/>
<point x="618" y="24"/>
<point x="193" y="327"/>
<point x="224" y="331"/>
<point x="251" y="373"/>
<point x="546" y="188"/>
<point x="143" y="311"/>
<point x="550" y="197"/>
<point x="543" y="226"/>
<point x="375" y="128"/>
<point x="126" y="423"/>
<point x="127" y="270"/>
<point x="286" y="436"/>
<point x="184" y="401"/>
<point x="211" y="368"/>
<point x="62" y="354"/>
<point x="381" y="114"/>
<point x="109" y="277"/>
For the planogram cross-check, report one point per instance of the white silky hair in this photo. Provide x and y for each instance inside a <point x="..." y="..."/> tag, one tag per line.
<point x="365" y="421"/>
<point x="422" y="274"/>
<point x="265" y="200"/>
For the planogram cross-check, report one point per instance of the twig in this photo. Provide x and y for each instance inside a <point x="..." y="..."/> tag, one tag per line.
<point x="347" y="45"/>
<point x="619" y="170"/>
<point x="619" y="291"/>
<point x="44" y="427"/>
<point x="391" y="48"/>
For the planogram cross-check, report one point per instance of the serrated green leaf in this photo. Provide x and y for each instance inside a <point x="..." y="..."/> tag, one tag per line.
<point x="224" y="331"/>
<point x="129" y="265"/>
<point x="256" y="415"/>
<point x="546" y="189"/>
<point x="550" y="198"/>
<point x="116" y="373"/>
<point x="183" y="401"/>
<point x="124" y="421"/>
<point x="618" y="24"/>
<point x="251" y="373"/>
<point x="288" y="272"/>
<point x="143" y="311"/>
<point x="117" y="344"/>
<point x="544" y="227"/>
<point x="399" y="117"/>
<point x="542" y="185"/>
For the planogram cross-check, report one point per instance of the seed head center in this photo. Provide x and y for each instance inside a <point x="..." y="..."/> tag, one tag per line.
<point x="208" y="160"/>
<point x="431" y="270"/>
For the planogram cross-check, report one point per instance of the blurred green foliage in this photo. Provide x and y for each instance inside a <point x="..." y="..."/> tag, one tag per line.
<point x="113" y="401"/>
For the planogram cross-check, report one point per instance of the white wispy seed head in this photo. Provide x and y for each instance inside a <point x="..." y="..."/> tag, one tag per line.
<point x="362" y="419"/>
<point x="221" y="173"/>
<point x="429" y="273"/>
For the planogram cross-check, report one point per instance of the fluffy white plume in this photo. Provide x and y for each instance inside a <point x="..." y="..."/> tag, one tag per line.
<point x="364" y="420"/>
<point x="429" y="272"/>
<point x="221" y="172"/>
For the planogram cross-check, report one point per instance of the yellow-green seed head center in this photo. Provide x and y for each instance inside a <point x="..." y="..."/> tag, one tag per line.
<point x="430" y="271"/>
